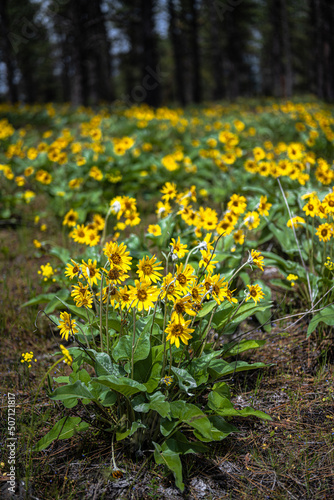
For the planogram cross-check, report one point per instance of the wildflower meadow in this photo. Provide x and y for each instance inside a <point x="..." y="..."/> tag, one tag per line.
<point x="168" y="299"/>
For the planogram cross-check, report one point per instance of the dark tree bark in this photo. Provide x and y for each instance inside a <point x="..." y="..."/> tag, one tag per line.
<point x="195" y="53"/>
<point x="151" y="85"/>
<point x="286" y="51"/>
<point x="176" y="39"/>
<point x="7" y="51"/>
<point x="217" y="51"/>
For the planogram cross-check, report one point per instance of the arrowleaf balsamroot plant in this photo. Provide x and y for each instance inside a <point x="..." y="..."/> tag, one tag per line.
<point x="146" y="336"/>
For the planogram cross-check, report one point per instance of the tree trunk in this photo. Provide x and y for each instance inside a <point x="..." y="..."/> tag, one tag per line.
<point x="176" y="39"/>
<point x="216" y="51"/>
<point x="195" y="55"/>
<point x="8" y="55"/>
<point x="151" y="85"/>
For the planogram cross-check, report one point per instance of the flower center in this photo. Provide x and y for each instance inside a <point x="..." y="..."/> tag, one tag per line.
<point x="142" y="295"/>
<point x="147" y="269"/>
<point x="116" y="258"/>
<point x="182" y="279"/>
<point x="177" y="330"/>
<point x="179" y="308"/>
<point x="114" y="274"/>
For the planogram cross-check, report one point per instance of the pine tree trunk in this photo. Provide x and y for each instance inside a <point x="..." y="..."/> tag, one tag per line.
<point x="8" y="55"/>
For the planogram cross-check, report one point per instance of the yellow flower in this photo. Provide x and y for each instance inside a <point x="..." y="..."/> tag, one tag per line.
<point x="169" y="191"/>
<point x="239" y="237"/>
<point x="237" y="204"/>
<point x="96" y="173"/>
<point x="178" y="248"/>
<point x="182" y="306"/>
<point x="65" y="352"/>
<point x="70" y="218"/>
<point x="148" y="269"/>
<point x="92" y="237"/>
<point x="67" y="325"/>
<point x="295" y="151"/>
<point x="115" y="275"/>
<point x="207" y="261"/>
<point x="259" y="153"/>
<point x="74" y="270"/>
<point x="170" y="288"/>
<point x="37" y="244"/>
<point x="143" y="295"/>
<point x="252" y="220"/>
<point x="178" y="330"/>
<point x="75" y="183"/>
<point x="79" y="234"/>
<point x="217" y="287"/>
<point x="43" y="177"/>
<point x="28" y="195"/>
<point x="117" y="255"/>
<point x="295" y="221"/>
<point x="264" y="206"/>
<point x="163" y="209"/>
<point x="185" y="277"/>
<point x="46" y="271"/>
<point x="292" y="278"/>
<point x="324" y="232"/>
<point x="255" y="292"/>
<point x="154" y="229"/>
<point x="28" y="358"/>
<point x="257" y="259"/>
<point x="328" y="203"/>
<point x="312" y="206"/>
<point x="91" y="272"/>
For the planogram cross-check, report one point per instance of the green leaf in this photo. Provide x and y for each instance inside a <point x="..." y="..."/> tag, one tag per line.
<point x="198" y="367"/>
<point x="249" y="309"/>
<point x="104" y="365"/>
<point x="172" y="460"/>
<point x="233" y="349"/>
<point x="193" y="416"/>
<point x="63" y="254"/>
<point x="223" y="406"/>
<point x="326" y="316"/>
<point x="220" y="316"/>
<point x="206" y="309"/>
<point x="186" y="381"/>
<point x="43" y="297"/>
<point x="108" y="398"/>
<point x="55" y="302"/>
<point x="123" y="385"/>
<point x="64" y="429"/>
<point x="129" y="432"/>
<point x="81" y="313"/>
<point x="220" y="429"/>
<point x="180" y="444"/>
<point x="123" y="349"/>
<point x="157" y="403"/>
<point x="220" y="368"/>
<point x="76" y="390"/>
<point x="153" y="366"/>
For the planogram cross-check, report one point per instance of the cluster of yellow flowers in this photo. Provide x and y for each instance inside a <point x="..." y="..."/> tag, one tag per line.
<point x="28" y="357"/>
<point x="315" y="208"/>
<point x="182" y="289"/>
<point x="207" y="218"/>
<point x="47" y="271"/>
<point x="84" y="234"/>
